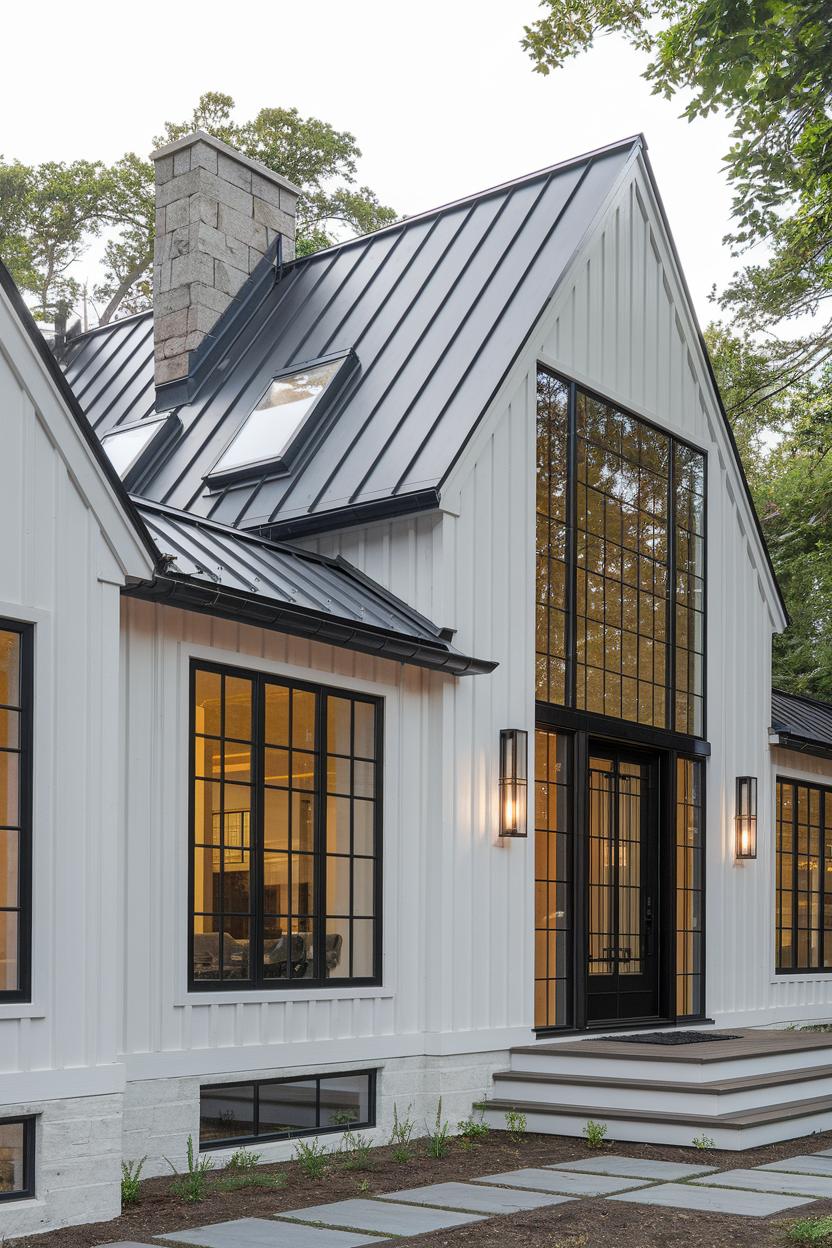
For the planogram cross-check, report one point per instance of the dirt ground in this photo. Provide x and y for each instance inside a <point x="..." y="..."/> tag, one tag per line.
<point x="595" y="1223"/>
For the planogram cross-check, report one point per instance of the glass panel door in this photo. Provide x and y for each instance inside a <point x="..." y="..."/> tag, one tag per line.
<point x="622" y="884"/>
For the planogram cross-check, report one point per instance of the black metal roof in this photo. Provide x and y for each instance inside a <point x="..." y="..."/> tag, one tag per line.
<point x="436" y="309"/>
<point x="802" y="723"/>
<point x="208" y="567"/>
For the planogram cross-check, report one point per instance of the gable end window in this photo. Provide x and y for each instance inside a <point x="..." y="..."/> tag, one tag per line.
<point x="620" y="619"/>
<point x="285" y="876"/>
<point x="15" y="809"/>
<point x="804" y="867"/>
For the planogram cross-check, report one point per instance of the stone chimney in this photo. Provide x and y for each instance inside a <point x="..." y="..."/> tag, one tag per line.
<point x="217" y="212"/>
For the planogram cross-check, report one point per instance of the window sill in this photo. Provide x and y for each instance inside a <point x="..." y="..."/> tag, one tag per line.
<point x="275" y="995"/>
<point x="21" y="1009"/>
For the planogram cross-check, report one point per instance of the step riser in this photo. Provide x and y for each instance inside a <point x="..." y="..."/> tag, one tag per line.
<point x="678" y="1100"/>
<point x="549" y="1063"/>
<point x="672" y="1133"/>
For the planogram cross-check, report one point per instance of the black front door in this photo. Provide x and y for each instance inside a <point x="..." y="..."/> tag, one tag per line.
<point x="622" y="878"/>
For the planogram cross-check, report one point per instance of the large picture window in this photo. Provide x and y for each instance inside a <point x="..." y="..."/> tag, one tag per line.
<point x="15" y="809"/>
<point x="804" y="865"/>
<point x="286" y="833"/>
<point x="620" y="563"/>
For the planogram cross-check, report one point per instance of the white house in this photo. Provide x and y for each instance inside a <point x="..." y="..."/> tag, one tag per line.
<point x="305" y="576"/>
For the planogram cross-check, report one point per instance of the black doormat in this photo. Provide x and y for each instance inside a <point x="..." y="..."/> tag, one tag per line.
<point x="675" y="1037"/>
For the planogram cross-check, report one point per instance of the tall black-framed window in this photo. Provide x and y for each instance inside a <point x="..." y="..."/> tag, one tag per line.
<point x="17" y="1158"/>
<point x="16" y="712"/>
<point x="285" y="879"/>
<point x="803" y="825"/>
<point x="620" y="619"/>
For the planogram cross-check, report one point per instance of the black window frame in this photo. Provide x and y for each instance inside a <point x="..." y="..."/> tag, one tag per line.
<point x="27" y="1191"/>
<point x="26" y="632"/>
<point x="257" y="981"/>
<point x="824" y="859"/>
<point x="237" y="1141"/>
<point x="574" y="715"/>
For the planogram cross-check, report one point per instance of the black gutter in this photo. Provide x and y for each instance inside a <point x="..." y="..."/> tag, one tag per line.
<point x="99" y="454"/>
<point x="801" y="745"/>
<point x="191" y="595"/>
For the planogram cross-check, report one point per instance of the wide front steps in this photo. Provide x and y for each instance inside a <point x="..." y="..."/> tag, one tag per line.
<point x="762" y="1087"/>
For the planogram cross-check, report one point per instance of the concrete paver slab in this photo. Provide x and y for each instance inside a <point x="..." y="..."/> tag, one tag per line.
<point x="634" y="1168"/>
<point x="383" y="1217"/>
<point x="266" y="1233"/>
<point x="809" y="1164"/>
<point x="475" y="1197"/>
<point x="565" y="1183"/>
<point x="770" y="1181"/>
<point x="712" y="1200"/>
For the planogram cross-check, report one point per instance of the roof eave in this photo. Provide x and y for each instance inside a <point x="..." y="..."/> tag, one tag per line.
<point x="801" y="745"/>
<point x="193" y="595"/>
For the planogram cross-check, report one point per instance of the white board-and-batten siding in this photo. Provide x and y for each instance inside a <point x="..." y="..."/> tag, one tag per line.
<point x="620" y="324"/>
<point x="64" y="553"/>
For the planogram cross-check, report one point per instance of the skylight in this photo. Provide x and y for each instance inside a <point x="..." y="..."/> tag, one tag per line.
<point x="129" y="448"/>
<point x="270" y="434"/>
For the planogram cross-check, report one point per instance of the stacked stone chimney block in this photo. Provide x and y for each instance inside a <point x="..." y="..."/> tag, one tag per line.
<point x="217" y="212"/>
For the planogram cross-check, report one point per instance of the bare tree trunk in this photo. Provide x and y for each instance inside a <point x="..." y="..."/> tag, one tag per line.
<point x="122" y="290"/>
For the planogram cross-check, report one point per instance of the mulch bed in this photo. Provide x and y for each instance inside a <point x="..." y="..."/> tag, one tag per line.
<point x="595" y="1223"/>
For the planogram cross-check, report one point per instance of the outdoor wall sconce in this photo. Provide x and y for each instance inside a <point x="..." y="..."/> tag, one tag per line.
<point x="745" y="817"/>
<point x="514" y="759"/>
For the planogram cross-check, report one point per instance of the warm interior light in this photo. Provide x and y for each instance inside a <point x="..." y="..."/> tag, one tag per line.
<point x="745" y="817"/>
<point x="513" y="782"/>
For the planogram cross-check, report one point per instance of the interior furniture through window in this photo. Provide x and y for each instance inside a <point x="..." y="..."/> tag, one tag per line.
<point x="286" y="832"/>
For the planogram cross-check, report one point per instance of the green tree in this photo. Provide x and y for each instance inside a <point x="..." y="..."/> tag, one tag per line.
<point x="49" y="213"/>
<point x="767" y="64"/>
<point x="784" y="433"/>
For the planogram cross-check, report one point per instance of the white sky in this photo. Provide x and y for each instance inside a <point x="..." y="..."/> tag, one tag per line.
<point x="439" y="94"/>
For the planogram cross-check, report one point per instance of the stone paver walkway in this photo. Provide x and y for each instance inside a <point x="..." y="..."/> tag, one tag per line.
<point x="756" y="1193"/>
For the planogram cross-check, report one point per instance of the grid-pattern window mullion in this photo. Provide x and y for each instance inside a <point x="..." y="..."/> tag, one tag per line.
<point x="285" y="832"/>
<point x="15" y="809"/>
<point x="803" y="918"/>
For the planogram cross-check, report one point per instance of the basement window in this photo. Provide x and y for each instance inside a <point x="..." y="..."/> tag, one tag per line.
<point x="270" y="436"/>
<point x="281" y="1109"/>
<point x="17" y="1158"/>
<point x="130" y="448"/>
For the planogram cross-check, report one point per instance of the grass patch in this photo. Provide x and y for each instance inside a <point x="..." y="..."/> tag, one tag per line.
<point x="811" y="1230"/>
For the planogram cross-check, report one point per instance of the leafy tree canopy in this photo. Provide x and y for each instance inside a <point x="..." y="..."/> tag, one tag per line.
<point x="784" y="437"/>
<point x="50" y="213"/>
<point x="767" y="63"/>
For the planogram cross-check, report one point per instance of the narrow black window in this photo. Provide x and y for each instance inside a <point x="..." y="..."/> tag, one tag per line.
<point x="17" y="1158"/>
<point x="286" y="833"/>
<point x="15" y="809"/>
<point x="804" y="865"/>
<point x="273" y="1109"/>
<point x="690" y="888"/>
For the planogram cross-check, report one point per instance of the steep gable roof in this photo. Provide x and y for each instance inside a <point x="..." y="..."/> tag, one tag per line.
<point x="435" y="309"/>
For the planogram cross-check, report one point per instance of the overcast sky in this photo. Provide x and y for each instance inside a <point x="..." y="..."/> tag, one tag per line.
<point x="439" y="93"/>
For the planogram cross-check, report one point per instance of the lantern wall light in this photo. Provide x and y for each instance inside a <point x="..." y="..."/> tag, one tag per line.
<point x="745" y="818"/>
<point x="514" y="770"/>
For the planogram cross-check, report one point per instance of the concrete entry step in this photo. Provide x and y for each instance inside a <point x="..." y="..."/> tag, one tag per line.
<point x="738" y="1130"/>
